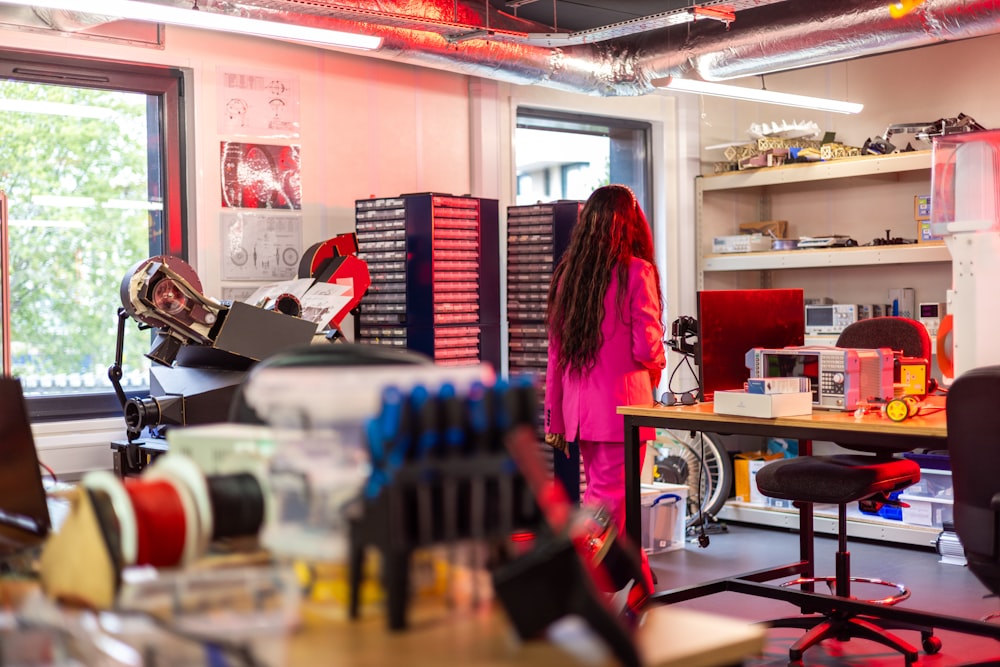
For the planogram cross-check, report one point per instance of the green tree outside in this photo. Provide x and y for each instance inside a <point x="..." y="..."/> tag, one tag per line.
<point x="67" y="260"/>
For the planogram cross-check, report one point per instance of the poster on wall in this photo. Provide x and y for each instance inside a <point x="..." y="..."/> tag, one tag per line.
<point x="259" y="104"/>
<point x="240" y="293"/>
<point x="258" y="175"/>
<point x="260" y="245"/>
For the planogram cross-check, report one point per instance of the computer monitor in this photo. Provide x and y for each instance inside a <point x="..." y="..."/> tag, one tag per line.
<point x="24" y="512"/>
<point x="731" y="322"/>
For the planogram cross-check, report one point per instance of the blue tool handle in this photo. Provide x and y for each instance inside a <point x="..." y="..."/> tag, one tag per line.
<point x="453" y="420"/>
<point x="497" y="395"/>
<point x="391" y="416"/>
<point x="480" y="418"/>
<point x="388" y="439"/>
<point x="425" y="422"/>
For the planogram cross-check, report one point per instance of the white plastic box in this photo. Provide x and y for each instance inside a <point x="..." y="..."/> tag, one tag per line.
<point x="767" y="406"/>
<point x="930" y="500"/>
<point x="664" y="516"/>
<point x="924" y="511"/>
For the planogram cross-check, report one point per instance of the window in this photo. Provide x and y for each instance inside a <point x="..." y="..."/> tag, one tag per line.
<point x="91" y="165"/>
<point x="568" y="156"/>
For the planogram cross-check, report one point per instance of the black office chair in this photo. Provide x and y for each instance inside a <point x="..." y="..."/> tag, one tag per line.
<point x="841" y="479"/>
<point x="974" y="451"/>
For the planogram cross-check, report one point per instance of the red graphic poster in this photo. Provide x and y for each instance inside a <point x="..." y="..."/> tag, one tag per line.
<point x="260" y="176"/>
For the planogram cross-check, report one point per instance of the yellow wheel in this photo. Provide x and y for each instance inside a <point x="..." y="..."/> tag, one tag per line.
<point x="897" y="409"/>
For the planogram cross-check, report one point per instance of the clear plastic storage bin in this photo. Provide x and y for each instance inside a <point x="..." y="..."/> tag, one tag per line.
<point x="664" y="515"/>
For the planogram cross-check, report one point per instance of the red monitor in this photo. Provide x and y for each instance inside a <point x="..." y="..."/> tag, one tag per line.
<point x="731" y="322"/>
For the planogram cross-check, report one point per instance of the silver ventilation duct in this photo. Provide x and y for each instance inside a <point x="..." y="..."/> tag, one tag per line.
<point x="772" y="36"/>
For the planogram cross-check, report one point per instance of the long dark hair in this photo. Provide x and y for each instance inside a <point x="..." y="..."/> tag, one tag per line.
<point x="612" y="229"/>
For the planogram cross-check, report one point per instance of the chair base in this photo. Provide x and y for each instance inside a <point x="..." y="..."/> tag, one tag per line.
<point x="821" y="628"/>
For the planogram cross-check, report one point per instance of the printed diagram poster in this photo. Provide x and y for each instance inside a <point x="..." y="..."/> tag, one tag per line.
<point x="241" y="293"/>
<point x="260" y="176"/>
<point x="260" y="246"/>
<point x="259" y="104"/>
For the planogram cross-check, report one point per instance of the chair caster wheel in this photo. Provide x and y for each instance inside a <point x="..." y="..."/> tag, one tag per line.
<point x="931" y="644"/>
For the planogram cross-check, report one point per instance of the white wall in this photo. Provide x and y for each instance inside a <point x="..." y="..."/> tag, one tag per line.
<point x="373" y="127"/>
<point x="368" y="128"/>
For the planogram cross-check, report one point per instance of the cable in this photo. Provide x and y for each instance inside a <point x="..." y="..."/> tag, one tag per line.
<point x="50" y="471"/>
<point x="686" y="360"/>
<point x="703" y="540"/>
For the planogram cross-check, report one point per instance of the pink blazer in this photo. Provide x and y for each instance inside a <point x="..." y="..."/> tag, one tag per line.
<point x="582" y="405"/>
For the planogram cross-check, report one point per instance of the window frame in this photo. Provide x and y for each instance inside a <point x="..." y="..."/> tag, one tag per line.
<point x="167" y="86"/>
<point x="529" y="117"/>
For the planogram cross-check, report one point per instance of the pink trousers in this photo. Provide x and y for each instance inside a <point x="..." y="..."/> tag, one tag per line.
<point x="604" y="472"/>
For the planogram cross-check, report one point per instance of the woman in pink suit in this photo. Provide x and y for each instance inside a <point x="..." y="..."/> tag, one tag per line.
<point x="605" y="340"/>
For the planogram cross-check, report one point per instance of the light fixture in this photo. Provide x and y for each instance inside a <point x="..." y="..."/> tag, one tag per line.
<point x="755" y="95"/>
<point x="198" y="18"/>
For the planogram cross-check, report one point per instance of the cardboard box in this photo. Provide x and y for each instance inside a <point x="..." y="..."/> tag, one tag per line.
<point x="762" y="405"/>
<point x="664" y="516"/>
<point x="745" y="467"/>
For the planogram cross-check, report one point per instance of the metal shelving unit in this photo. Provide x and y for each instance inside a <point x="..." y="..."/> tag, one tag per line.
<point x="859" y="197"/>
<point x="817" y="199"/>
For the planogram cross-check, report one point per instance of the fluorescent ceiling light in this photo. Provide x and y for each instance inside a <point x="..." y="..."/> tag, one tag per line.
<point x="756" y="95"/>
<point x="198" y="18"/>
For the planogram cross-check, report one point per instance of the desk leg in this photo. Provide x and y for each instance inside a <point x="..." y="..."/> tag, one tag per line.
<point x="807" y="545"/>
<point x="633" y="527"/>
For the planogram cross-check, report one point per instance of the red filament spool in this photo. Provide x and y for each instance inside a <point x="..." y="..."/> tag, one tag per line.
<point x="161" y="522"/>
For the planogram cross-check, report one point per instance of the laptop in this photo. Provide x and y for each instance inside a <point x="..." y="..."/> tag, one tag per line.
<point x="24" y="513"/>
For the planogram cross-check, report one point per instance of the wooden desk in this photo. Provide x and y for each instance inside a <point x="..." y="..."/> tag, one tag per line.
<point x="875" y="432"/>
<point x="443" y="637"/>
<point x="483" y="638"/>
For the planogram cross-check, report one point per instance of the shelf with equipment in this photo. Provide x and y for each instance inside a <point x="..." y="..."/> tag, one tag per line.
<point x="869" y="199"/>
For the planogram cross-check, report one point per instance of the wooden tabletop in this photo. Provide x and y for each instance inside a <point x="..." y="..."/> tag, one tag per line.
<point x="667" y="637"/>
<point x="927" y="429"/>
<point x="441" y="636"/>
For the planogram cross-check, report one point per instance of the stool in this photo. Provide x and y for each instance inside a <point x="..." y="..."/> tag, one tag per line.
<point x="841" y="479"/>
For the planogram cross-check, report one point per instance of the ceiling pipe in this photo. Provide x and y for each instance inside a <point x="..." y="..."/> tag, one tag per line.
<point x="776" y="37"/>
